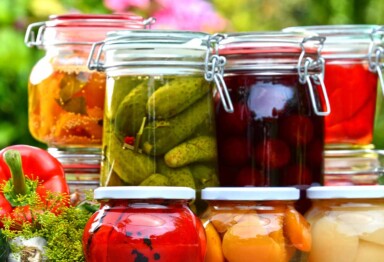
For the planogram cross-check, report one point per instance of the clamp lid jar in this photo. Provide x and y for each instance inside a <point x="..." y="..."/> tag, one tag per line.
<point x="65" y="98"/>
<point x="159" y="120"/>
<point x="274" y="137"/>
<point x="353" y="64"/>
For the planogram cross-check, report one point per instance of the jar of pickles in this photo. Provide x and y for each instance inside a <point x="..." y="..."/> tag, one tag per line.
<point x="144" y="224"/>
<point x="347" y="223"/>
<point x="254" y="224"/>
<point x="159" y="127"/>
<point x="353" y="62"/>
<point x="275" y="135"/>
<point x="66" y="99"/>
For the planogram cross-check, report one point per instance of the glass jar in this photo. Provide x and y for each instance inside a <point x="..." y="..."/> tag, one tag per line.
<point x="144" y="224"/>
<point x="274" y="137"/>
<point x="353" y="62"/>
<point x="159" y="127"/>
<point x="347" y="223"/>
<point x="254" y="224"/>
<point x="65" y="98"/>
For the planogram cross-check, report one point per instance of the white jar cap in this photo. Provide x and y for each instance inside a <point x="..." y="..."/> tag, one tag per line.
<point x="250" y="193"/>
<point x="339" y="192"/>
<point x="144" y="192"/>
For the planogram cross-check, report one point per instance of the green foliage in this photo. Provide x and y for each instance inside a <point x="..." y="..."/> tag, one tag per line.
<point x="63" y="230"/>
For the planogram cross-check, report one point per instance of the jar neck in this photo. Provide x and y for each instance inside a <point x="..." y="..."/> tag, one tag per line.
<point x="145" y="203"/>
<point x="352" y="202"/>
<point x="250" y="205"/>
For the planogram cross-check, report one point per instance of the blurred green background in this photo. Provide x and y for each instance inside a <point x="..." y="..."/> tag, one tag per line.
<point x="16" y="60"/>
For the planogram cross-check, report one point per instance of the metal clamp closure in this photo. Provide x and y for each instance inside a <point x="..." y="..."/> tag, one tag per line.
<point x="30" y="39"/>
<point x="305" y="68"/>
<point x="214" y="70"/>
<point x="149" y="22"/>
<point x="94" y="63"/>
<point x="375" y="56"/>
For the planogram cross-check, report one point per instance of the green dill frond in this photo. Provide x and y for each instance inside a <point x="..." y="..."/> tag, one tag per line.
<point x="53" y="219"/>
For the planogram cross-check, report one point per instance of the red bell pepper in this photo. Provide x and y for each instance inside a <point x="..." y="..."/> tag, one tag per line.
<point x="20" y="166"/>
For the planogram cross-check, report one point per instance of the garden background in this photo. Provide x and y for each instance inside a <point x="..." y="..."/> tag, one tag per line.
<point x="16" y="60"/>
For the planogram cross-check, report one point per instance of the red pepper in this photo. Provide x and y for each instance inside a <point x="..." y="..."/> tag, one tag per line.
<point x="20" y="165"/>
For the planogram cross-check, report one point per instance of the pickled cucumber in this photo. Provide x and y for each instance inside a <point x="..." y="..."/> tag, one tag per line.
<point x="177" y="176"/>
<point x="182" y="177"/>
<point x="197" y="149"/>
<point x="131" y="167"/>
<point x="122" y="86"/>
<point x="156" y="180"/>
<point x="162" y="135"/>
<point x="175" y="96"/>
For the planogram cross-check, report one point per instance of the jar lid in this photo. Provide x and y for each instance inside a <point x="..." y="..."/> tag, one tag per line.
<point x="144" y="192"/>
<point x="132" y="50"/>
<point x="272" y="51"/>
<point x="263" y="42"/>
<point x="250" y="193"/>
<point x="345" y="41"/>
<point x="345" y="192"/>
<point x="81" y="28"/>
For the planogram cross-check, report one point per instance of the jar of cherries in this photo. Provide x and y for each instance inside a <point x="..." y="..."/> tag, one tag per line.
<point x="275" y="135"/>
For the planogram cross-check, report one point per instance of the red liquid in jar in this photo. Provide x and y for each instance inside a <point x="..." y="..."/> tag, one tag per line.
<point x="273" y="138"/>
<point x="352" y="92"/>
<point x="123" y="231"/>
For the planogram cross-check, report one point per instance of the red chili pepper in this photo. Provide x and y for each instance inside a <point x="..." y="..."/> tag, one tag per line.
<point x="130" y="140"/>
<point x="20" y="165"/>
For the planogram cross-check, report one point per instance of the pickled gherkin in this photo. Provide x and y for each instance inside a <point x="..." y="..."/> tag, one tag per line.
<point x="161" y="132"/>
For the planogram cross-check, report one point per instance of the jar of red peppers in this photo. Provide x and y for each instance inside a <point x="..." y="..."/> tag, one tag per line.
<point x="347" y="223"/>
<point x="144" y="224"/>
<point x="353" y="63"/>
<point x="275" y="135"/>
<point x="66" y="99"/>
<point x="254" y="224"/>
<point x="159" y="127"/>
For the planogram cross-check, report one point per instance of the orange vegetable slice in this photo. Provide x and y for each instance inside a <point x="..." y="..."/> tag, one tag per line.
<point x="297" y="229"/>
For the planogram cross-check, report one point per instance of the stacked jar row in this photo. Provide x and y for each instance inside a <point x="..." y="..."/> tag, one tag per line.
<point x="273" y="111"/>
<point x="240" y="225"/>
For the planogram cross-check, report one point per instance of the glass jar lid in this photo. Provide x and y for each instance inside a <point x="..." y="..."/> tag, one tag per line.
<point x="146" y="48"/>
<point x="250" y="193"/>
<point x="144" y="192"/>
<point x="345" y="41"/>
<point x="345" y="192"/>
<point x="269" y="51"/>
<point x="81" y="28"/>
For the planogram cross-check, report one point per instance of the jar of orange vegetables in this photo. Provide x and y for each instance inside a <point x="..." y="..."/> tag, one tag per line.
<point x="254" y="224"/>
<point x="347" y="223"/>
<point x="65" y="98"/>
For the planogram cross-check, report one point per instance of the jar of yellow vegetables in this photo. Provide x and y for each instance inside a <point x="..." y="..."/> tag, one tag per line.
<point x="254" y="224"/>
<point x="347" y="223"/>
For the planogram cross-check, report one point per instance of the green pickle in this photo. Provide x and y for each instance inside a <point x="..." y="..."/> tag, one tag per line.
<point x="153" y="134"/>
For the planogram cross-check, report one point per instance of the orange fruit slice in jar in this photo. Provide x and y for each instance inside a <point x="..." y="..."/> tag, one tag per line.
<point x="248" y="240"/>
<point x="214" y="252"/>
<point x="297" y="229"/>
